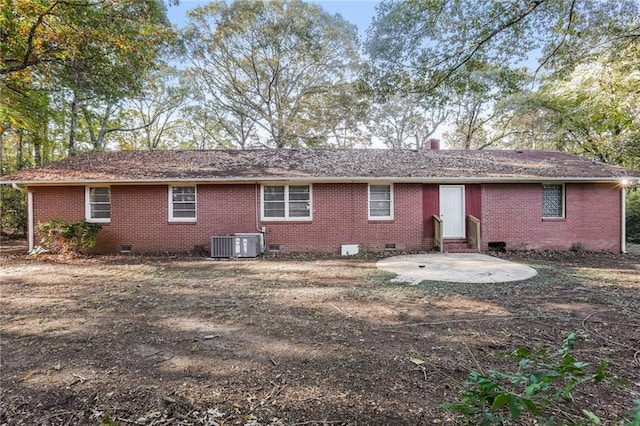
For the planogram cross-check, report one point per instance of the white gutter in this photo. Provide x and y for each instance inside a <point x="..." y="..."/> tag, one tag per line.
<point x="623" y="221"/>
<point x="346" y="179"/>
<point x="30" y="228"/>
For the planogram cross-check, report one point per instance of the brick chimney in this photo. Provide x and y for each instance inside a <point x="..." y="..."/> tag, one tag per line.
<point x="432" y="144"/>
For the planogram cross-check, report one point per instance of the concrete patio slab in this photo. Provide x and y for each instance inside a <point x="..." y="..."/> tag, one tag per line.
<point x="454" y="267"/>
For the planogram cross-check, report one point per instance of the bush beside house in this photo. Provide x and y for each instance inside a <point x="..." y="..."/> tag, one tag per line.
<point x="13" y="213"/>
<point x="62" y="236"/>
<point x="633" y="216"/>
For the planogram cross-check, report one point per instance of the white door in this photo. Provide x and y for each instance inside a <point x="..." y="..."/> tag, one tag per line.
<point x="452" y="211"/>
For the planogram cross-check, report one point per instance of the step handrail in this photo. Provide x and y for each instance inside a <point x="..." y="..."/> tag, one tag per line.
<point x="473" y="232"/>
<point x="437" y="233"/>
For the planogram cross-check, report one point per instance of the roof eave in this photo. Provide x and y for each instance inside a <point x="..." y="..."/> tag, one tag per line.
<point x="352" y="179"/>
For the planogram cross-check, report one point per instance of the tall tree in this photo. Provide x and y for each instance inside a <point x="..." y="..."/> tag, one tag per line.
<point x="227" y="121"/>
<point x="92" y="50"/>
<point x="476" y="105"/>
<point x="273" y="65"/>
<point x="37" y="33"/>
<point x="406" y="121"/>
<point x="594" y="110"/>
<point x="346" y="110"/>
<point x="427" y="43"/>
<point x="202" y="128"/>
<point x="150" y="116"/>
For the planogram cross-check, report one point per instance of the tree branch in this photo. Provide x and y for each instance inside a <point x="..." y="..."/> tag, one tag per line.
<point x="532" y="6"/>
<point x="26" y="62"/>
<point x="548" y="57"/>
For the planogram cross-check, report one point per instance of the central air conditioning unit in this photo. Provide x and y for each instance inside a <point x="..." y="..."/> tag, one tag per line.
<point x="238" y="245"/>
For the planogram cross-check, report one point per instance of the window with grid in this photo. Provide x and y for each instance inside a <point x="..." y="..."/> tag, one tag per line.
<point x="182" y="203"/>
<point x="286" y="202"/>
<point x="552" y="200"/>
<point x="98" y="204"/>
<point x="380" y="202"/>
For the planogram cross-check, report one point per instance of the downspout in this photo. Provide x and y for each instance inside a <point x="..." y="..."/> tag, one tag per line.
<point x="30" y="231"/>
<point x="623" y="220"/>
<point x="30" y="234"/>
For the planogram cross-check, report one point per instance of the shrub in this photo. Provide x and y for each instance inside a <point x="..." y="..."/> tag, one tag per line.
<point x="634" y="414"/>
<point x="62" y="236"/>
<point x="13" y="212"/>
<point x="541" y="386"/>
<point x="633" y="216"/>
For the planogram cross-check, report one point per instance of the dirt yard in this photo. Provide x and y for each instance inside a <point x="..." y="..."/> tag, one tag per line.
<point x="158" y="341"/>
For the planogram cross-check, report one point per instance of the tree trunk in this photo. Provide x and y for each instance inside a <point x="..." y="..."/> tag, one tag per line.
<point x="100" y="143"/>
<point x="73" y="124"/>
<point x="19" y="154"/>
<point x="89" y="121"/>
<point x="1" y="151"/>
<point x="37" y="155"/>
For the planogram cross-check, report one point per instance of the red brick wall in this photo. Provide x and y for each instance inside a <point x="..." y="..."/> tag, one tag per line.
<point x="513" y="214"/>
<point x="57" y="202"/>
<point x="340" y="216"/>
<point x="510" y="214"/>
<point x="473" y="200"/>
<point x="139" y="217"/>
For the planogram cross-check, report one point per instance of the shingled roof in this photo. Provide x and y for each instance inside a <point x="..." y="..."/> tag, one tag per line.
<point x="319" y="165"/>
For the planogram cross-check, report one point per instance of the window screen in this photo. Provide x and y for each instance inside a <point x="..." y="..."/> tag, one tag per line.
<point x="380" y="201"/>
<point x="183" y="202"/>
<point x="99" y="203"/>
<point x="286" y="201"/>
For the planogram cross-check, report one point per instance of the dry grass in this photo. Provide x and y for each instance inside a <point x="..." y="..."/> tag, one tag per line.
<point x="187" y="341"/>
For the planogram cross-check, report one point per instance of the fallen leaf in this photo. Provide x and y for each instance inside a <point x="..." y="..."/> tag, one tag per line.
<point x="417" y="361"/>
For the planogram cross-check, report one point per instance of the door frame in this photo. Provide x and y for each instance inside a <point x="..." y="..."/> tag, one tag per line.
<point x="462" y="211"/>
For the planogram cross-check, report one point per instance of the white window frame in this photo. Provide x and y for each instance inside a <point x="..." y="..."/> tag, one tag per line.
<point x="391" y="199"/>
<point x="286" y="217"/>
<point x="170" y="197"/>
<point x="563" y="200"/>
<point x="87" y="205"/>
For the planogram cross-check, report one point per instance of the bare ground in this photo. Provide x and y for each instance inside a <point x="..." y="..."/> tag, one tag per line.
<point x="161" y="340"/>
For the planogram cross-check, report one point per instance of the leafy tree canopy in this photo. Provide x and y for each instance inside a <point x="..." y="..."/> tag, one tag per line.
<point x="425" y="43"/>
<point x="75" y="50"/>
<point x="34" y="33"/>
<point x="593" y="111"/>
<point x="536" y="73"/>
<point x="278" y="67"/>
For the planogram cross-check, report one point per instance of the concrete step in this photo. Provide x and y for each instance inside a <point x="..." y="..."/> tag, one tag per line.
<point x="457" y="246"/>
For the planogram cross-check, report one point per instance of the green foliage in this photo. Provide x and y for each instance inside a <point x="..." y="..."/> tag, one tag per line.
<point x="634" y="414"/>
<point x="108" y="421"/>
<point x="543" y="383"/>
<point x="429" y="43"/>
<point x="61" y="236"/>
<point x="633" y="216"/>
<point x="151" y="112"/>
<point x="593" y="110"/>
<point x="405" y="121"/>
<point x="60" y="58"/>
<point x="13" y="212"/>
<point x="472" y="55"/>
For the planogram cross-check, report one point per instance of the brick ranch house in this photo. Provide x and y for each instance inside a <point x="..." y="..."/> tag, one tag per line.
<point x="320" y="200"/>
